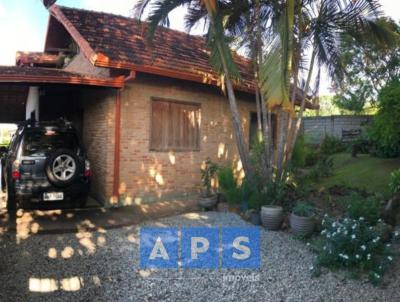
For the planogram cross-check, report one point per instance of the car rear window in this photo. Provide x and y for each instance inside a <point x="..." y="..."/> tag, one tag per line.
<point x="42" y="141"/>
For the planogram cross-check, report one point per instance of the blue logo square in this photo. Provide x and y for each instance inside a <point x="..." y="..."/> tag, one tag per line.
<point x="200" y="247"/>
<point x="159" y="248"/>
<point x="241" y="247"/>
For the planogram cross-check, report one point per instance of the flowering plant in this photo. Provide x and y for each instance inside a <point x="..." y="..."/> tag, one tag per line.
<point x="355" y="245"/>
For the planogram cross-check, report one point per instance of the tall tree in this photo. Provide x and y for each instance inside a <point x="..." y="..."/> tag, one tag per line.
<point x="369" y="65"/>
<point x="288" y="41"/>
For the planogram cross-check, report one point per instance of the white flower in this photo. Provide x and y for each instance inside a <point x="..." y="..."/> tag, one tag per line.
<point x="361" y="218"/>
<point x="311" y="268"/>
<point x="308" y="244"/>
<point x="334" y="224"/>
<point x="388" y="245"/>
<point x="357" y="256"/>
<point x="354" y="226"/>
<point x="369" y="256"/>
<point x="380" y="220"/>
<point x="325" y="248"/>
<point x="353" y="236"/>
<point x="377" y="276"/>
<point x="326" y="215"/>
<point x="396" y="234"/>
<point x="363" y="247"/>
<point x="390" y="258"/>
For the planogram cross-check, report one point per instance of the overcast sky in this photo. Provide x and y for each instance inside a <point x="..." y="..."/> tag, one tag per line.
<point x="23" y="23"/>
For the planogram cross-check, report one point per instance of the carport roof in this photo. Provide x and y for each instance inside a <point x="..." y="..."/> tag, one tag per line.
<point x="36" y="75"/>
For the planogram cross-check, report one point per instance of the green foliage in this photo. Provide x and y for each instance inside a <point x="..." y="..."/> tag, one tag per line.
<point x="208" y="172"/>
<point x="367" y="208"/>
<point x="394" y="184"/>
<point x="323" y="168"/>
<point x="313" y="155"/>
<point x="356" y="246"/>
<point x="303" y="209"/>
<point x="228" y="185"/>
<point x="299" y="152"/>
<point x="369" y="65"/>
<point x="385" y="130"/>
<point x="331" y="145"/>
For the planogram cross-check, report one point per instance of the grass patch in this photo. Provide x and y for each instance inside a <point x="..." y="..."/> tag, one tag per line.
<point x="364" y="172"/>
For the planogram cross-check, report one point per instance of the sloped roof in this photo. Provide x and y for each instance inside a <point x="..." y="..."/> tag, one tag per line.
<point x="16" y="74"/>
<point x="115" y="41"/>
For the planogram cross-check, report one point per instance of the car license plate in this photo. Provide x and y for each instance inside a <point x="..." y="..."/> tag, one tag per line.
<point x="53" y="196"/>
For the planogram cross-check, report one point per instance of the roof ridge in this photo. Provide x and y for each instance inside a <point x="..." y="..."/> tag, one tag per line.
<point x="159" y="27"/>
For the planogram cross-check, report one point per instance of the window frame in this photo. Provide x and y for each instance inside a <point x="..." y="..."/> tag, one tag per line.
<point x="172" y="149"/>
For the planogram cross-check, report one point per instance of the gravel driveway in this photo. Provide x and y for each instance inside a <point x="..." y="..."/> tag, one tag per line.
<point x="103" y="266"/>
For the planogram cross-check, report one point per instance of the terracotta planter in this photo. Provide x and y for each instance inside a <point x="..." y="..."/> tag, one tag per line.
<point x="302" y="226"/>
<point x="272" y="217"/>
<point x="208" y="202"/>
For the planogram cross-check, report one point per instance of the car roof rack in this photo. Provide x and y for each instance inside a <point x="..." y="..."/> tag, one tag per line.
<point x="31" y="123"/>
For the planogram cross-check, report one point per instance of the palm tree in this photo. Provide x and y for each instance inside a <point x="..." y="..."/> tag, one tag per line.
<point x="221" y="56"/>
<point x="310" y="31"/>
<point x="287" y="40"/>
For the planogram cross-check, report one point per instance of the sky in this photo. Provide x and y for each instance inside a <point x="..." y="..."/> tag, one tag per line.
<point x="23" y="23"/>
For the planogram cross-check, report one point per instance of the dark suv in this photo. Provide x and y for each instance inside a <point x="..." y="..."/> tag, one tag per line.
<point x="45" y="164"/>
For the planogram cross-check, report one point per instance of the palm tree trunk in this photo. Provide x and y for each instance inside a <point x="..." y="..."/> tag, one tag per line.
<point x="302" y="106"/>
<point x="236" y="123"/>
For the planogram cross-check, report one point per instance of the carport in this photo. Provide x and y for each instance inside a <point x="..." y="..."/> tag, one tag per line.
<point x="47" y="94"/>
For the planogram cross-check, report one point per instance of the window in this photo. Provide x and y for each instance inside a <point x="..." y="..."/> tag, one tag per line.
<point x="175" y="126"/>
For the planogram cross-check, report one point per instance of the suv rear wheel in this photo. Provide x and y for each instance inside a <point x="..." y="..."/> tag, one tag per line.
<point x="62" y="167"/>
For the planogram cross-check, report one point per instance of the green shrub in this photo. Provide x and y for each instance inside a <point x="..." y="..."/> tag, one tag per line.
<point x="394" y="184"/>
<point x="385" y="130"/>
<point x="299" y="152"/>
<point x="208" y="172"/>
<point x="331" y="145"/>
<point x="303" y="209"/>
<point x="358" y="207"/>
<point x="354" y="245"/>
<point x="228" y="185"/>
<point x="312" y="156"/>
<point x="323" y="168"/>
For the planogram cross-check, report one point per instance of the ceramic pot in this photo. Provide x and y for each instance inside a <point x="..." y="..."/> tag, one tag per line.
<point x="272" y="217"/>
<point x="208" y="202"/>
<point x="302" y="226"/>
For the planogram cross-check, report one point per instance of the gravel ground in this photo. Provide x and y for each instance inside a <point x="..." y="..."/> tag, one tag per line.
<point x="103" y="266"/>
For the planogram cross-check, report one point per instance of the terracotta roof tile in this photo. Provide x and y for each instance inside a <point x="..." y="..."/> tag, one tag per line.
<point x="122" y="41"/>
<point x="17" y="74"/>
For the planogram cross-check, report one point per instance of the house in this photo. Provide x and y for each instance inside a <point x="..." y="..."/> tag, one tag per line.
<point x="149" y="114"/>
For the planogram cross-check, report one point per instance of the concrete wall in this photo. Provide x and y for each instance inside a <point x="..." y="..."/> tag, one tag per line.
<point x="316" y="128"/>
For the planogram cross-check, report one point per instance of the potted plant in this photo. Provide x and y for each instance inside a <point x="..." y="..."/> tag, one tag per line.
<point x="208" y="198"/>
<point x="302" y="219"/>
<point x="272" y="211"/>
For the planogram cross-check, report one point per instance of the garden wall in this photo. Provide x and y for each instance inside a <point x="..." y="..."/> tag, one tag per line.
<point x="316" y="128"/>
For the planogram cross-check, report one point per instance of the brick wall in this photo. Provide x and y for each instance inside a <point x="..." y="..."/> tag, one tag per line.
<point x="147" y="176"/>
<point x="98" y="138"/>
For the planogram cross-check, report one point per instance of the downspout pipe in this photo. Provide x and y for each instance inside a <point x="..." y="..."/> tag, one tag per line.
<point x="117" y="134"/>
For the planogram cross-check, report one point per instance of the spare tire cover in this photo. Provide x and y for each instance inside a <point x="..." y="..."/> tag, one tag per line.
<point x="62" y="167"/>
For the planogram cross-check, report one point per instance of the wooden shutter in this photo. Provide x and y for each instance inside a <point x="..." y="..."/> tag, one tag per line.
<point x="175" y="126"/>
